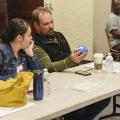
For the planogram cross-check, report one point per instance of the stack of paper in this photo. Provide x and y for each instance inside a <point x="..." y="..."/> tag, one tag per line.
<point x="4" y="111"/>
<point x="87" y="86"/>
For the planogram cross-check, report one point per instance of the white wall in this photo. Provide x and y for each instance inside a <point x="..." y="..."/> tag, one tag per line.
<point x="102" y="9"/>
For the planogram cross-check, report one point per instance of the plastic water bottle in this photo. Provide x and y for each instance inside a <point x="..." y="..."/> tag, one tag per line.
<point x="109" y="64"/>
<point x="38" y="85"/>
<point x="47" y="85"/>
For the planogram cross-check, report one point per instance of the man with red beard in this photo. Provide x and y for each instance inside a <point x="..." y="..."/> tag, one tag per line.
<point x="54" y="52"/>
<point x="52" y="47"/>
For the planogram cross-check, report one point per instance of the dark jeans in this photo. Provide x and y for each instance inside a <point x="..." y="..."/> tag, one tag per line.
<point x="116" y="47"/>
<point x="116" y="57"/>
<point x="89" y="112"/>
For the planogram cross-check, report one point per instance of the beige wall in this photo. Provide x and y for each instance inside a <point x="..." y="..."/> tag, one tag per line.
<point x="82" y="22"/>
<point x="102" y="9"/>
<point x="75" y="20"/>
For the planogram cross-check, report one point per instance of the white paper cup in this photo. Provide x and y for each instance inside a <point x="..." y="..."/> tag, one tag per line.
<point x="98" y="61"/>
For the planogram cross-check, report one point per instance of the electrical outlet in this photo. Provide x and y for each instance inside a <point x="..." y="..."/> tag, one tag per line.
<point x="48" y="5"/>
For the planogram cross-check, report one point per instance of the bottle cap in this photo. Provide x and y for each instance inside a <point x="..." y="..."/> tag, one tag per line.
<point x="37" y="71"/>
<point x="109" y="54"/>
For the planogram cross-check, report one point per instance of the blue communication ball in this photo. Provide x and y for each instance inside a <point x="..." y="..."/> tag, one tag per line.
<point x="82" y="49"/>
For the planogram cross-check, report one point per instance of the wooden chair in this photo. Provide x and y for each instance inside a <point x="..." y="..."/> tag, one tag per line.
<point x="115" y="105"/>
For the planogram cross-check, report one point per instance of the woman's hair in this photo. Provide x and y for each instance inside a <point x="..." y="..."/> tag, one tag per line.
<point x="16" y="26"/>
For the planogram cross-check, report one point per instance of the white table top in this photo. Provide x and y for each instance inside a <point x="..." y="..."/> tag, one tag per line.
<point x="64" y="99"/>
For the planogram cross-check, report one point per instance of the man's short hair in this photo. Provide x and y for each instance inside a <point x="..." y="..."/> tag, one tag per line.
<point x="115" y="2"/>
<point x="35" y="13"/>
<point x="115" y="6"/>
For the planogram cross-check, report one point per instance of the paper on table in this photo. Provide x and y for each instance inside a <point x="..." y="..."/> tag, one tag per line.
<point x="116" y="67"/>
<point x="84" y="69"/>
<point x="87" y="86"/>
<point x="89" y="65"/>
<point x="4" y="111"/>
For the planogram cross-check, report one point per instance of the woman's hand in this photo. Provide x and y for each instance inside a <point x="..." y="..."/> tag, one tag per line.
<point x="29" y="50"/>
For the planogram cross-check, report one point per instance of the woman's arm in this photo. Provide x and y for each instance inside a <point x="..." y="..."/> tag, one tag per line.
<point x="3" y="73"/>
<point x="33" y="61"/>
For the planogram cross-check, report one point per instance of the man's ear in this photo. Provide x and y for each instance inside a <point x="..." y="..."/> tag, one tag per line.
<point x="19" y="38"/>
<point x="36" y="26"/>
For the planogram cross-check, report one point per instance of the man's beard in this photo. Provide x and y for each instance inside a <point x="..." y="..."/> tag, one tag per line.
<point x="51" y="32"/>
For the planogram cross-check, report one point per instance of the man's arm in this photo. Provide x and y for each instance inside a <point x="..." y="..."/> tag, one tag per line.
<point x="113" y="26"/>
<point x="115" y="33"/>
<point x="53" y="66"/>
